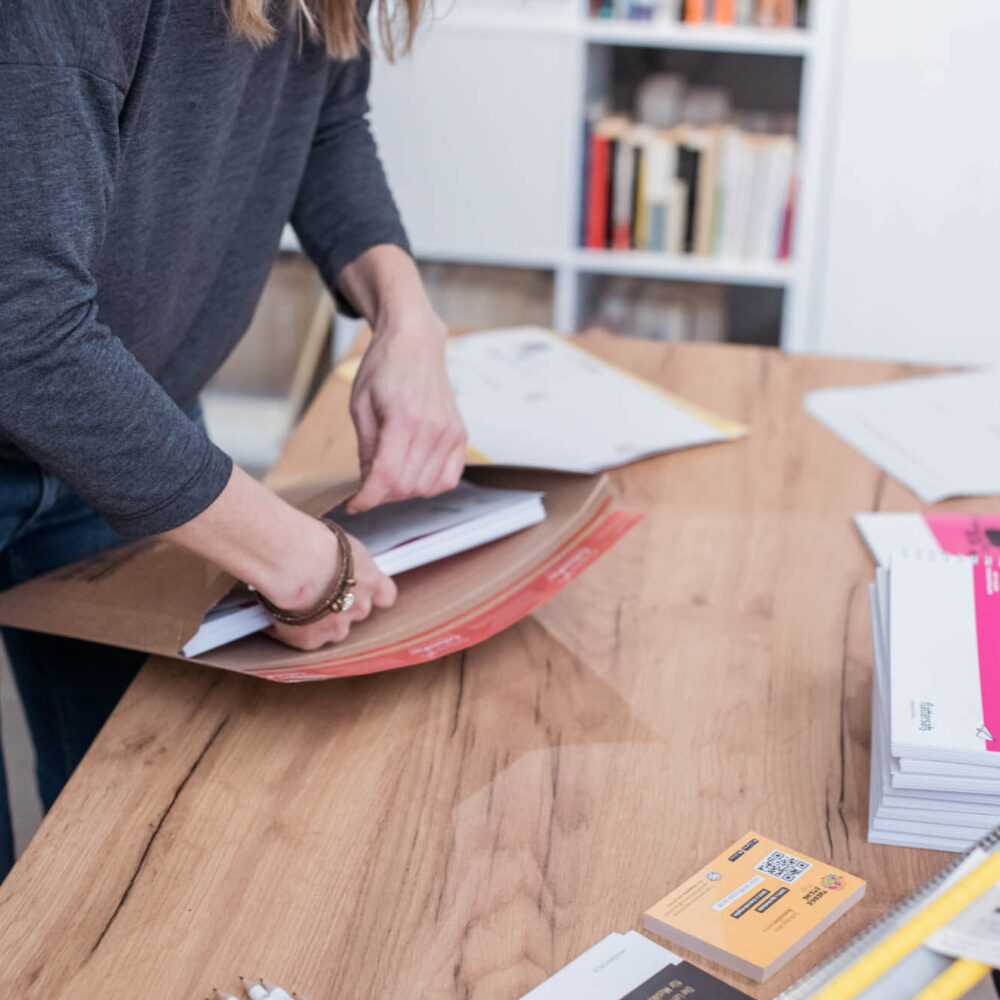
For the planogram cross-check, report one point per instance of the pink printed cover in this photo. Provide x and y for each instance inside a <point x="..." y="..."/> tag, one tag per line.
<point x="986" y="580"/>
<point x="966" y="534"/>
<point x="979" y="534"/>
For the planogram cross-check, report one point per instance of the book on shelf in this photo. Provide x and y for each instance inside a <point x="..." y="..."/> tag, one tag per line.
<point x="711" y="191"/>
<point x="743" y="13"/>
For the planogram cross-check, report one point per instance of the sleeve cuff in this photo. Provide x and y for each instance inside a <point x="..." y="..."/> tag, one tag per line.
<point x="349" y="249"/>
<point x="197" y="493"/>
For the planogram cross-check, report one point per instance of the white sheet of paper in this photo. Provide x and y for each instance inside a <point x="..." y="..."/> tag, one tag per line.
<point x="939" y="435"/>
<point x="608" y="971"/>
<point x="531" y="399"/>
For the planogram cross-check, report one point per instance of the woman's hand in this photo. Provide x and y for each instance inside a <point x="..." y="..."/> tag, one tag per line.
<point x="291" y="558"/>
<point x="373" y="589"/>
<point x="411" y="440"/>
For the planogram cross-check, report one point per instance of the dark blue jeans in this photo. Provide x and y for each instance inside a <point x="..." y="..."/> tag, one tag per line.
<point x="68" y="688"/>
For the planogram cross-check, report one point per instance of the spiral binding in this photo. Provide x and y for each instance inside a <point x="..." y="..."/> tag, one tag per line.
<point x="856" y="947"/>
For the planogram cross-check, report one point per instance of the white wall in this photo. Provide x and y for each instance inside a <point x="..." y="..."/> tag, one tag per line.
<point x="911" y="265"/>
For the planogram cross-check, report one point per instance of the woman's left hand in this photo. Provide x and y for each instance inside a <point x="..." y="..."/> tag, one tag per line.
<point x="411" y="439"/>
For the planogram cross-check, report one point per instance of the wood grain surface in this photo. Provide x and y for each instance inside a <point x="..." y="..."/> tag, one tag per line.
<point x="464" y="828"/>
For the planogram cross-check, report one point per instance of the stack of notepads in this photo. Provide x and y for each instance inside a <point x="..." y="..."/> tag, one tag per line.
<point x="935" y="766"/>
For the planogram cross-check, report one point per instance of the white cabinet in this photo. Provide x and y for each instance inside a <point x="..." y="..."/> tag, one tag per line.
<point x="908" y="264"/>
<point x="475" y="134"/>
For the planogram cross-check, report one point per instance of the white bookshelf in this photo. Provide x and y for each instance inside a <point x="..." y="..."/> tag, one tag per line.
<point x="777" y="41"/>
<point x="481" y="132"/>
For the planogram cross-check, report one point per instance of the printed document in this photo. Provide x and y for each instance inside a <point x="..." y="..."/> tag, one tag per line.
<point x="939" y="435"/>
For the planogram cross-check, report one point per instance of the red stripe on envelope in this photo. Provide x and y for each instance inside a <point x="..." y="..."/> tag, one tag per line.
<point x="525" y="597"/>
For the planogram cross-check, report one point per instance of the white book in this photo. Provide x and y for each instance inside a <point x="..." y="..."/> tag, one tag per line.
<point x="944" y="663"/>
<point x="613" y="967"/>
<point x="779" y="185"/>
<point x="736" y="182"/>
<point x="400" y="536"/>
<point x="758" y="231"/>
<point x="677" y="215"/>
<point x="659" y="175"/>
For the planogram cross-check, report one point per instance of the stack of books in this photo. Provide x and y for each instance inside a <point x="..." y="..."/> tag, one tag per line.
<point x="935" y="764"/>
<point x="760" y="13"/>
<point x="715" y="191"/>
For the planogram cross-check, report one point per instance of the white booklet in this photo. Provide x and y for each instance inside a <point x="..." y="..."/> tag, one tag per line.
<point x="400" y="536"/>
<point x="939" y="435"/>
<point x="610" y="970"/>
<point x="531" y="399"/>
<point x="944" y="662"/>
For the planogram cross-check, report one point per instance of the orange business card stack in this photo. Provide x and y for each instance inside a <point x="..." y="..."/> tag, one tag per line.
<point x="755" y="906"/>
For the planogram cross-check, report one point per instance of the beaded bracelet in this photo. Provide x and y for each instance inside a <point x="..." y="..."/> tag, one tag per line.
<point x="340" y="598"/>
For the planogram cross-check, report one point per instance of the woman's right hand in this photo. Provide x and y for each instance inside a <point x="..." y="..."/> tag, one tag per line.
<point x="291" y="558"/>
<point x="373" y="589"/>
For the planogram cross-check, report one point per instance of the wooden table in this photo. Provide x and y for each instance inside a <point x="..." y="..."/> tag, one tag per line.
<point x="463" y="829"/>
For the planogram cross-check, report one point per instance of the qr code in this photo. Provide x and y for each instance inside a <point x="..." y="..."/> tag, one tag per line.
<point x="782" y="866"/>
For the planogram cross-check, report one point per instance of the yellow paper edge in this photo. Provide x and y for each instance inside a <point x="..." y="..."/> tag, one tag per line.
<point x="730" y="428"/>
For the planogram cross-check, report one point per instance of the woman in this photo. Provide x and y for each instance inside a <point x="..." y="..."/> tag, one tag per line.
<point x="151" y="153"/>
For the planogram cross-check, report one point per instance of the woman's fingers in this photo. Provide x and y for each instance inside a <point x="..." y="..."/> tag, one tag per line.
<point x="384" y="595"/>
<point x="379" y="485"/>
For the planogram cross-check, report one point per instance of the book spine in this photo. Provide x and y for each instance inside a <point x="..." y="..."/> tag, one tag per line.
<point x="668" y="11"/>
<point x="725" y="11"/>
<point x="677" y="216"/>
<point x="694" y="11"/>
<point x="584" y="206"/>
<point x="623" y="197"/>
<point x="687" y="170"/>
<point x="609" y="204"/>
<point x="597" y="194"/>
<point x="788" y="222"/>
<point x="640" y="215"/>
<point x="767" y="13"/>
<point x="708" y="179"/>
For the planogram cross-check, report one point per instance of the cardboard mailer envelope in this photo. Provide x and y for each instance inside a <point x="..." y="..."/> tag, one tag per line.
<point x="152" y="596"/>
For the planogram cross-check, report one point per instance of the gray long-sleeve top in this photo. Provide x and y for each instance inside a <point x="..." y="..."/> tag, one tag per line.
<point x="148" y="162"/>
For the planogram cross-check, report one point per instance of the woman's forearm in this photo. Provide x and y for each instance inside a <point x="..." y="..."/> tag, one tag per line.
<point x="260" y="539"/>
<point x="383" y="283"/>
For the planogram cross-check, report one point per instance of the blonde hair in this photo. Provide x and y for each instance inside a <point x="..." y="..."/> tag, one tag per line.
<point x="337" y="22"/>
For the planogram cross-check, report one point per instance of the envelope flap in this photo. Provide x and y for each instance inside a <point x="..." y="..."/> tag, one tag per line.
<point x="147" y="595"/>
